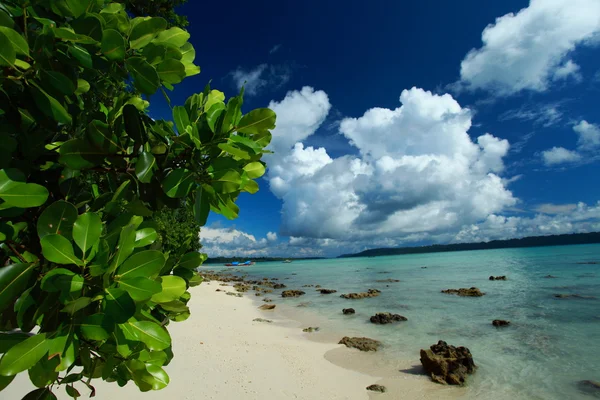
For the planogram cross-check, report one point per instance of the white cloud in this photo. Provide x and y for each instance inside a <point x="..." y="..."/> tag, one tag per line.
<point x="275" y="48"/>
<point x="261" y="77"/>
<point x="559" y="155"/>
<point x="272" y="236"/>
<point x="540" y="114"/>
<point x="549" y="208"/>
<point x="529" y="49"/>
<point x="589" y="135"/>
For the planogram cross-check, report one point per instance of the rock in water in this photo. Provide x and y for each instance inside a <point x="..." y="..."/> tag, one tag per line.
<point x="362" y="295"/>
<point x="377" y="388"/>
<point x="574" y="296"/>
<point x="361" y="343"/>
<point x="550" y="276"/>
<point x="498" y="278"/>
<point x="447" y="364"/>
<point x="267" y="307"/>
<point x="311" y="329"/>
<point x="327" y="291"/>
<point x="589" y="387"/>
<point x="471" y="292"/>
<point x="292" y="293"/>
<point x="348" y="311"/>
<point x="387" y="280"/>
<point x="387" y="318"/>
<point x="500" y="322"/>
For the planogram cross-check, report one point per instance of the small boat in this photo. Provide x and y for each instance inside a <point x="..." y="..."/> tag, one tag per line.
<point x="233" y="264"/>
<point x="286" y="261"/>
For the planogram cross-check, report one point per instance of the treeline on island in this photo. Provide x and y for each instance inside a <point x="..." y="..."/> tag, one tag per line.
<point x="215" y="260"/>
<point x="532" y="241"/>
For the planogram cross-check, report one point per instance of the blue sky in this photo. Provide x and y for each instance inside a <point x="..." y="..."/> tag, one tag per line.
<point x="407" y="123"/>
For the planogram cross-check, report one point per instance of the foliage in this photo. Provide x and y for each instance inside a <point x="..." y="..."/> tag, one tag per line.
<point x="158" y="8"/>
<point x="83" y="168"/>
<point x="177" y="226"/>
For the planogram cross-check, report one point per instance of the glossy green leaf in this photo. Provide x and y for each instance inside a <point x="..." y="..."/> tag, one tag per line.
<point x="255" y="170"/>
<point x="88" y="25"/>
<point x="87" y="230"/>
<point x="188" y="53"/>
<point x="161" y="379"/>
<point x="5" y="380"/>
<point x="70" y="8"/>
<point x="175" y="306"/>
<point x="13" y="280"/>
<point x="181" y="118"/>
<point x="24" y="355"/>
<point x="58" y="81"/>
<point x="81" y="55"/>
<point x="146" y="263"/>
<point x="24" y="195"/>
<point x="201" y="206"/>
<point x="145" y="166"/>
<point x="140" y="288"/>
<point x="191" y="69"/>
<point x="151" y="334"/>
<point x="43" y="373"/>
<point x="71" y="391"/>
<point x="7" y="52"/>
<point x="6" y="20"/>
<point x="213" y="116"/>
<point x="49" y="105"/>
<point x="171" y="71"/>
<point x="232" y="115"/>
<point x="83" y="86"/>
<point x="250" y="187"/>
<point x="145" y="31"/>
<point x="144" y="75"/>
<point x="172" y="288"/>
<point x="126" y="246"/>
<point x="78" y="154"/>
<point x="196" y="280"/>
<point x="133" y="124"/>
<point x="40" y="394"/>
<point x="174" y="36"/>
<point x="119" y="305"/>
<point x="234" y="151"/>
<point x="18" y="42"/>
<point x="113" y="45"/>
<point x="95" y="327"/>
<point x="257" y="121"/>
<point x="73" y="306"/>
<point x="178" y="183"/>
<point x="145" y="237"/>
<point x="192" y="260"/>
<point x="64" y="346"/>
<point x="102" y="137"/>
<point x="58" y="249"/>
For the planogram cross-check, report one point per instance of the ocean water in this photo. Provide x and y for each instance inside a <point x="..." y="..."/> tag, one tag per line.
<point x="551" y="345"/>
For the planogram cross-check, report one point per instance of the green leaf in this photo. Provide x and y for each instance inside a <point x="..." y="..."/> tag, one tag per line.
<point x="145" y="237"/>
<point x="64" y="346"/>
<point x="119" y="305"/>
<point x="213" y="115"/>
<point x="24" y="195"/>
<point x="88" y="25"/>
<point x="58" y="249"/>
<point x="178" y="183"/>
<point x="5" y="380"/>
<point x="87" y="230"/>
<point x="71" y="391"/>
<point x="7" y="52"/>
<point x="58" y="81"/>
<point x="101" y="136"/>
<point x="201" y="206"/>
<point x="96" y="327"/>
<point x="126" y="246"/>
<point x="81" y="55"/>
<point x="144" y="75"/>
<point x="146" y="263"/>
<point x="13" y="280"/>
<point x="191" y="70"/>
<point x="214" y="97"/>
<point x="174" y="36"/>
<point x="171" y="71"/>
<point x="49" y="105"/>
<point x="113" y="45"/>
<point x="255" y="170"/>
<point x="234" y="151"/>
<point x="40" y="394"/>
<point x="175" y="306"/>
<point x="154" y="336"/>
<point x="144" y="167"/>
<point x="257" y="121"/>
<point x="196" y="280"/>
<point x="64" y="281"/>
<point x="43" y="373"/>
<point x="24" y="355"/>
<point x="78" y="154"/>
<point x="161" y="379"/>
<point x="140" y="288"/>
<point x="181" y="118"/>
<point x="73" y="306"/>
<point x="250" y="187"/>
<point x="133" y="124"/>
<point x="17" y="41"/>
<point x="233" y="114"/>
<point x="83" y="86"/>
<point x="188" y="53"/>
<point x="145" y="31"/>
<point x="192" y="260"/>
<point x="70" y="8"/>
<point x="172" y="288"/>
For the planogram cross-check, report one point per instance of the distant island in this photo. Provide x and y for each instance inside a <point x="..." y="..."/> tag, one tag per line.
<point x="215" y="260"/>
<point x="532" y="241"/>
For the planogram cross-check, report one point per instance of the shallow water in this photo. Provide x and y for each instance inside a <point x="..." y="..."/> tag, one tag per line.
<point x="551" y="344"/>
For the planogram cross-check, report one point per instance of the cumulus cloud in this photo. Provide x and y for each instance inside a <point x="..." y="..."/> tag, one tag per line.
<point x="560" y="155"/>
<point x="530" y="49"/>
<point x="272" y="236"/>
<point x="589" y="135"/>
<point x="261" y="77"/>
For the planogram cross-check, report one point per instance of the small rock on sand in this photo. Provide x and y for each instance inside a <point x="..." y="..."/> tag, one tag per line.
<point x="377" y="388"/>
<point x="262" y="320"/>
<point x="235" y="294"/>
<point x="347" y="311"/>
<point x="311" y="329"/>
<point x="361" y="343"/>
<point x="267" y="307"/>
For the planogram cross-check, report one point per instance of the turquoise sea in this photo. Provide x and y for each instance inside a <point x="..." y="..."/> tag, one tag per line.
<point x="551" y="345"/>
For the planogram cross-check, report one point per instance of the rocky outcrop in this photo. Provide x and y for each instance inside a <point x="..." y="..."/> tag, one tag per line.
<point x="327" y="291"/>
<point x="386" y="318"/>
<point x="262" y="320"/>
<point x="292" y="293"/>
<point x="308" y="285"/>
<point x="387" y="280"/>
<point x="241" y="287"/>
<point x="279" y="286"/>
<point x="447" y="364"/>
<point x="470" y="292"/>
<point x="311" y="329"/>
<point x="257" y="294"/>
<point x="267" y="300"/>
<point x="377" y="388"/>
<point x="235" y="294"/>
<point x="347" y="311"/>
<point x="362" y="295"/>
<point x="574" y="296"/>
<point x="267" y="307"/>
<point x="498" y="278"/>
<point x="317" y="286"/>
<point x="500" y="322"/>
<point x="361" y="343"/>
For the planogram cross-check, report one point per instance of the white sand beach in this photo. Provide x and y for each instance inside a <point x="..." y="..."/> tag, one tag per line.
<point x="221" y="353"/>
